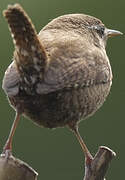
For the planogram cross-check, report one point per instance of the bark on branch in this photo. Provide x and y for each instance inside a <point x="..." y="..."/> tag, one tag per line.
<point x="15" y="169"/>
<point x="97" y="168"/>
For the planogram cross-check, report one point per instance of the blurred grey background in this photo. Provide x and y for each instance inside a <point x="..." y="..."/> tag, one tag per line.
<point x="56" y="154"/>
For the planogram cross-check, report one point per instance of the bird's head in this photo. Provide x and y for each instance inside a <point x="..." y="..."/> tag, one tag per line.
<point x="86" y="25"/>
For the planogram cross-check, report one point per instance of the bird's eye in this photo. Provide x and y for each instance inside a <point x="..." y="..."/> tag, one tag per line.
<point x="100" y="30"/>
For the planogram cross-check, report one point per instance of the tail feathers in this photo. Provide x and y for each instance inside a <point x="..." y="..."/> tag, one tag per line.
<point x="29" y="53"/>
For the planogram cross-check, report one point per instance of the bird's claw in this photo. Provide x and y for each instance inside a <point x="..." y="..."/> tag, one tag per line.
<point x="6" y="153"/>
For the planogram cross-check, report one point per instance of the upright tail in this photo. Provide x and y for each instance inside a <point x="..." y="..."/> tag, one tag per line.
<point x="29" y="55"/>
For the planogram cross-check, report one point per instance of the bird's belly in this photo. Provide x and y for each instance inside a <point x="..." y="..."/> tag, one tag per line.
<point x="59" y="108"/>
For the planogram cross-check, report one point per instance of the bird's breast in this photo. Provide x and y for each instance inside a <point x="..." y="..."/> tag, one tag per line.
<point x="59" y="108"/>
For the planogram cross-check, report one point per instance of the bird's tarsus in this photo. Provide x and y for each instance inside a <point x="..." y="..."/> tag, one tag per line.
<point x="7" y="150"/>
<point x="88" y="156"/>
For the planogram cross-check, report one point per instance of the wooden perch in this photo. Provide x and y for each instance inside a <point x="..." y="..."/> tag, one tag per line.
<point x="15" y="169"/>
<point x="98" y="167"/>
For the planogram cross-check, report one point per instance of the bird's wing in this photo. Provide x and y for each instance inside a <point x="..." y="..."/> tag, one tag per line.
<point x="75" y="72"/>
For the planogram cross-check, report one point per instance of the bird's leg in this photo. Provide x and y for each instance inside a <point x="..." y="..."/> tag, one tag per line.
<point x="7" y="150"/>
<point x="88" y="155"/>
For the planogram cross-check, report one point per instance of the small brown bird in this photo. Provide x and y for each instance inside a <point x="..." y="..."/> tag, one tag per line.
<point x="60" y="76"/>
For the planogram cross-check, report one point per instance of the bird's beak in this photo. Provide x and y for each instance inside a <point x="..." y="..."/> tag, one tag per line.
<point x="111" y="33"/>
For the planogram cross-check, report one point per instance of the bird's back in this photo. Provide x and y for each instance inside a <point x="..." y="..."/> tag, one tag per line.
<point x="72" y="89"/>
<point x="75" y="82"/>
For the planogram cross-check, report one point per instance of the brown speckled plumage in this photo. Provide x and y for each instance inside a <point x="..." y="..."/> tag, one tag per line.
<point x="59" y="108"/>
<point x="62" y="75"/>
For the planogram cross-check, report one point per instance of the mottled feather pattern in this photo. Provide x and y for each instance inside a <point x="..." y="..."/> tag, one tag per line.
<point x="62" y="76"/>
<point x="29" y="55"/>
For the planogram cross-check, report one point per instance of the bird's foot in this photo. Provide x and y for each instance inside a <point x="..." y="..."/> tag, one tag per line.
<point x="7" y="150"/>
<point x="6" y="153"/>
<point x="88" y="159"/>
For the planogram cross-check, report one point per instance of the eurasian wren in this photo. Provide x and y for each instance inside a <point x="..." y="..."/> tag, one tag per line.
<point x="60" y="76"/>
